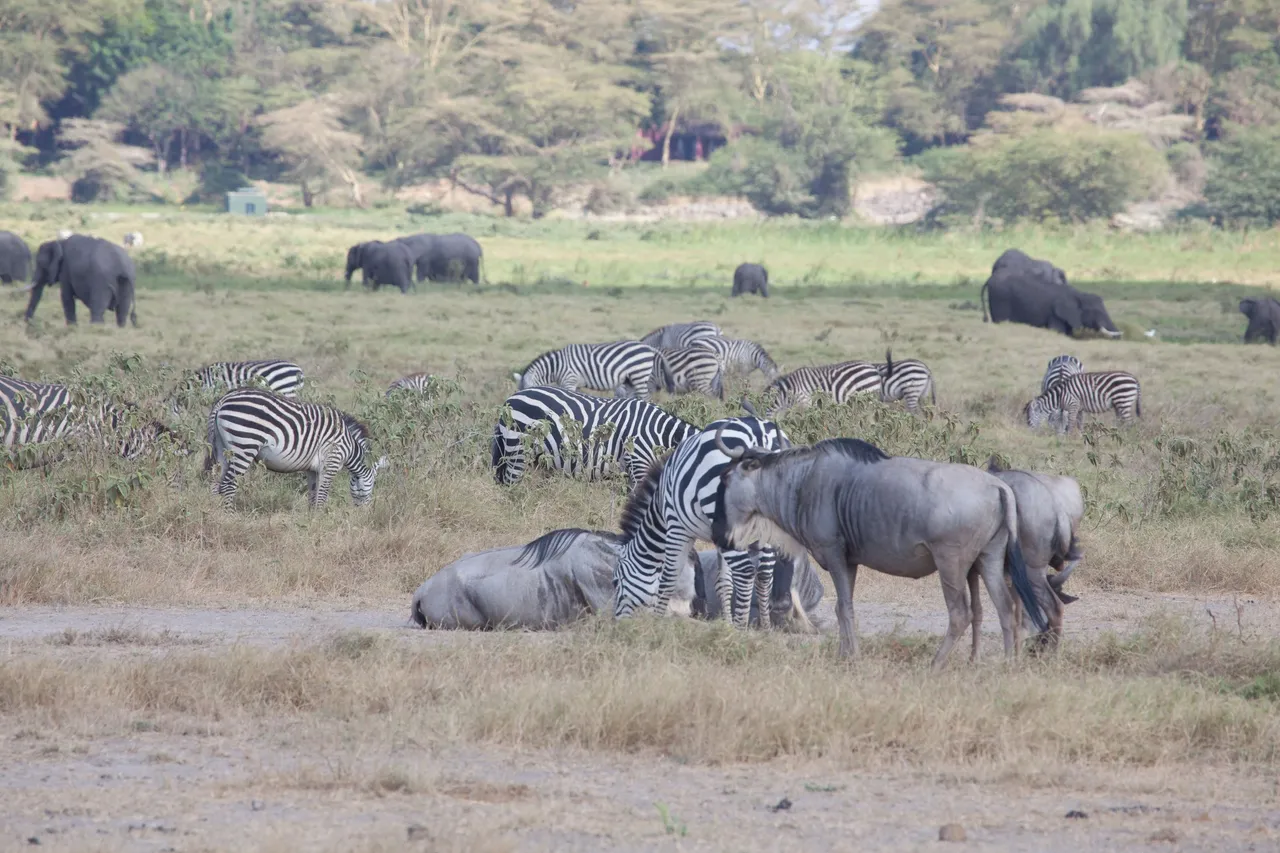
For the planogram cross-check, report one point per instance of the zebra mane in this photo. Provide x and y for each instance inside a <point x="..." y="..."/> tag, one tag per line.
<point x="554" y="543"/>
<point x="361" y="431"/>
<point x="640" y="499"/>
<point x="536" y="360"/>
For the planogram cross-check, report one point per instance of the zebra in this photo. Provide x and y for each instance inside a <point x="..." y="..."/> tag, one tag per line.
<point x="287" y="435"/>
<point x="626" y="368"/>
<point x="905" y="380"/>
<point x="695" y="369"/>
<point x="672" y="508"/>
<point x="416" y="382"/>
<point x="838" y="381"/>
<point x="677" y="335"/>
<point x="1060" y="368"/>
<point x="37" y="413"/>
<point x="739" y="356"/>
<point x="635" y="434"/>
<point x="283" y="377"/>
<point x="1069" y="399"/>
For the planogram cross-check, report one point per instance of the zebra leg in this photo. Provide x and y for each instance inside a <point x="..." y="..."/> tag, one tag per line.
<point x="234" y="465"/>
<point x="764" y="587"/>
<point x="675" y="557"/>
<point x="324" y="480"/>
<point x="741" y="570"/>
<point x="724" y="585"/>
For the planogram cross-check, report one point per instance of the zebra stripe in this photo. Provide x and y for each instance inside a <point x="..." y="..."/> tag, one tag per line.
<point x="679" y="335"/>
<point x="673" y="507"/>
<point x="740" y="357"/>
<point x="1060" y="368"/>
<point x="840" y="382"/>
<point x="247" y="425"/>
<point x="906" y="380"/>
<point x="1068" y="400"/>
<point x="696" y="370"/>
<point x="417" y="382"/>
<point x="282" y="377"/>
<point x="624" y="367"/>
<point x="38" y="413"/>
<point x="607" y="434"/>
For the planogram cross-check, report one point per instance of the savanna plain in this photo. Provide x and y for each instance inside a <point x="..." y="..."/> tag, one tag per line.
<point x="174" y="676"/>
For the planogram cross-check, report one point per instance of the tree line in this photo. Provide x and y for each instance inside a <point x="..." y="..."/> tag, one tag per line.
<point x="520" y="98"/>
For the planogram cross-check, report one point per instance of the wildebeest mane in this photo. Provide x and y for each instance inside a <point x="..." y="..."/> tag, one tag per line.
<point x="553" y="544"/>
<point x="994" y="465"/>
<point x="850" y="448"/>
<point x="638" y="503"/>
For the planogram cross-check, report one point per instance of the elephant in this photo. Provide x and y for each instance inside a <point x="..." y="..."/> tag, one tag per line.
<point x="15" y="258"/>
<point x="97" y="272"/>
<point x="381" y="263"/>
<point x="1044" y="304"/>
<point x="1021" y="265"/>
<point x="445" y="257"/>
<point x="1264" y="318"/>
<point x="750" y="278"/>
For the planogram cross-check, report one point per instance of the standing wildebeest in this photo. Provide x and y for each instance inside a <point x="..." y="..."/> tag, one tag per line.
<point x="15" y="258"/>
<point x="750" y="278"/>
<point x="1022" y="290"/>
<point x="381" y="263"/>
<point x="849" y="504"/>
<point x="1050" y="509"/>
<point x="1264" y="319"/>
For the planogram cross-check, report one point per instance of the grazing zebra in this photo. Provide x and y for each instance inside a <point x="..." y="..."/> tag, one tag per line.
<point x="287" y="435"/>
<point x="1060" y="367"/>
<point x="696" y="370"/>
<point x="740" y="357"/>
<point x="626" y="368"/>
<point x="417" y="382"/>
<point x="677" y="335"/>
<point x="283" y="377"/>
<point x="838" y="381"/>
<point x="630" y="434"/>
<point x="905" y="380"/>
<point x="1069" y="399"/>
<point x="673" y="507"/>
<point x="36" y="413"/>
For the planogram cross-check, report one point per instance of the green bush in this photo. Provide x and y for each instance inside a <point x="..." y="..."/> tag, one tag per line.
<point x="1050" y="174"/>
<point x="1244" y="179"/>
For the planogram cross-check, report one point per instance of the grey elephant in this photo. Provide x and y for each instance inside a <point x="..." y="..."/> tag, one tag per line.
<point x="750" y="278"/>
<point x="445" y="257"/>
<point x="1264" y="318"/>
<point x="1040" y="296"/>
<point x="15" y="258"/>
<point x="97" y="272"/>
<point x="381" y="263"/>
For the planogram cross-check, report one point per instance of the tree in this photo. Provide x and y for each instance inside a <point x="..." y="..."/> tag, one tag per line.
<point x="310" y="138"/>
<point x="98" y="164"/>
<point x="1244" y="178"/>
<point x="1226" y="34"/>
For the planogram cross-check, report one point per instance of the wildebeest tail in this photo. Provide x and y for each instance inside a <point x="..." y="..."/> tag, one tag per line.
<point x="1014" y="563"/>
<point x="982" y="298"/>
<point x="415" y="613"/>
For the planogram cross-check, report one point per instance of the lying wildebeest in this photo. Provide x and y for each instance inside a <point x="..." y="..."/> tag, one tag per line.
<point x="1050" y="509"/>
<point x="849" y="504"/>
<point x="797" y="590"/>
<point x="562" y="576"/>
<point x="750" y="278"/>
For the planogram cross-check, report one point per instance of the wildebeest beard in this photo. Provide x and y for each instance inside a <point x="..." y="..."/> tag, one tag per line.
<point x="757" y="529"/>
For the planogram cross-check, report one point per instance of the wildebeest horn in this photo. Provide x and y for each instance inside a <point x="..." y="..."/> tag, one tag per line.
<point x="750" y="409"/>
<point x="726" y="451"/>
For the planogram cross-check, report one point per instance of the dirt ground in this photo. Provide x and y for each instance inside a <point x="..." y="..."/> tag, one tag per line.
<point x="288" y="789"/>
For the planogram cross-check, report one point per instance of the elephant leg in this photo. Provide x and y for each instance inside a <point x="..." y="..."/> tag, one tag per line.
<point x="69" y="304"/>
<point x="99" y="301"/>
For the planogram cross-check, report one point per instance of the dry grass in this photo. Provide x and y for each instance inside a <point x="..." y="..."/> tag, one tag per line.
<point x="1167" y="694"/>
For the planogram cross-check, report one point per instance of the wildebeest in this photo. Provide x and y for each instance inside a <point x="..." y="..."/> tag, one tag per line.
<point x="1050" y="509"/>
<point x="750" y="278"/>
<point x="848" y="503"/>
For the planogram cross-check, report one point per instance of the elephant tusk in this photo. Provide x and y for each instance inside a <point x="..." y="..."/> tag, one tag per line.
<point x="1111" y="334"/>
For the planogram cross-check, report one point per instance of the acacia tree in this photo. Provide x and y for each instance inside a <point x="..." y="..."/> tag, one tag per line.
<point x="310" y="138"/>
<point x="98" y="164"/>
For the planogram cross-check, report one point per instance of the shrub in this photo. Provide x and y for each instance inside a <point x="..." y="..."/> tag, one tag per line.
<point x="1050" y="174"/>
<point x="1244" y="181"/>
<point x="605" y="197"/>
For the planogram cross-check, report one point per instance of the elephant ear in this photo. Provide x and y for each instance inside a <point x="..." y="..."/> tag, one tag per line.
<point x="1066" y="308"/>
<point x="1248" y="306"/>
<point x="56" y="256"/>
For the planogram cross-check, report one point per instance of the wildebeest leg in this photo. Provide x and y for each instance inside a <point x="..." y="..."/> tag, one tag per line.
<point x="991" y="562"/>
<point x="975" y="606"/>
<point x="953" y="576"/>
<point x="843" y="575"/>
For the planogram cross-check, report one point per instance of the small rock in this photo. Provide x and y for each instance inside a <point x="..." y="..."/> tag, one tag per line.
<point x="1167" y="835"/>
<point x="418" y="832"/>
<point x="783" y="805"/>
<point x="1075" y="814"/>
<point x="33" y="840"/>
<point x="952" y="832"/>
<point x="257" y="805"/>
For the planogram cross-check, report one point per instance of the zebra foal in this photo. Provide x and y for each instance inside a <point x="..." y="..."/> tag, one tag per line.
<point x="33" y="413"/>
<point x="1060" y="367"/>
<point x="1067" y="401"/>
<point x="246" y="425"/>
<point x="281" y="377"/>
<point x="416" y="382"/>
<point x="627" y="368"/>
<point x="630" y="434"/>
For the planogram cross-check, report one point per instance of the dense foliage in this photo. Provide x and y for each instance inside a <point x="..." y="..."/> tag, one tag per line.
<point x="520" y="98"/>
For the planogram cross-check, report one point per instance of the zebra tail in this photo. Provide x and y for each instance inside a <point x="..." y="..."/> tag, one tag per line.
<point x="668" y="379"/>
<point x="1137" y="404"/>
<point x="888" y="363"/>
<point x="717" y="384"/>
<point x="212" y="451"/>
<point x="497" y="455"/>
<point x="933" y="391"/>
